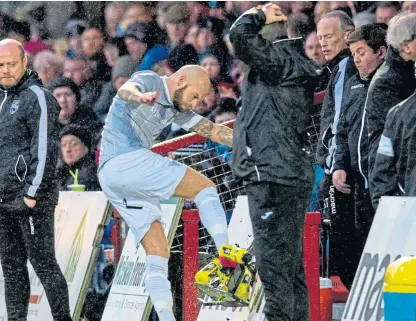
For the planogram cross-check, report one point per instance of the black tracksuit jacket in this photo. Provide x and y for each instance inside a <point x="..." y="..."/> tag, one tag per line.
<point x="270" y="131"/>
<point x="351" y="152"/>
<point x="29" y="131"/>
<point x="394" y="172"/>
<point x="393" y="82"/>
<point x="331" y="111"/>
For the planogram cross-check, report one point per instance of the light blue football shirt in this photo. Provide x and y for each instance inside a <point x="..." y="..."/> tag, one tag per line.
<point x="131" y="126"/>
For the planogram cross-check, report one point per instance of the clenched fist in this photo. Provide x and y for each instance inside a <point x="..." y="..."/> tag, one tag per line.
<point x="148" y="98"/>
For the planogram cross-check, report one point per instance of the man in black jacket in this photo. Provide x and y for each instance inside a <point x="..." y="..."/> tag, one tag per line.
<point x="28" y="193"/>
<point x="269" y="156"/>
<point x="333" y="31"/>
<point x="394" y="172"/>
<point x="394" y="81"/>
<point x="392" y="168"/>
<point x="368" y="47"/>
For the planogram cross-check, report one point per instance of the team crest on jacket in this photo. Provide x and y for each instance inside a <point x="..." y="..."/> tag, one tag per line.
<point x="14" y="107"/>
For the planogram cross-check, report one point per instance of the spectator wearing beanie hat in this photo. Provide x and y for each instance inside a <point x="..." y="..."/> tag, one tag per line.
<point x="124" y="68"/>
<point x="68" y="96"/>
<point x="215" y="63"/>
<point x="177" y="17"/>
<point x="211" y="36"/>
<point x="138" y="40"/>
<point x="180" y="56"/>
<point x="212" y="64"/>
<point x="122" y="71"/>
<point x="210" y="32"/>
<point x="77" y="159"/>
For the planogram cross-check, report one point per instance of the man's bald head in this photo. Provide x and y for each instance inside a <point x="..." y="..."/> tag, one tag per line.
<point x="197" y="76"/>
<point x="12" y="62"/>
<point x="11" y="44"/>
<point x="188" y="86"/>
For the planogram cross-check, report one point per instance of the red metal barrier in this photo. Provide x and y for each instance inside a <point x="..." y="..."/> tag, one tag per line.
<point x="311" y="261"/>
<point x="190" y="264"/>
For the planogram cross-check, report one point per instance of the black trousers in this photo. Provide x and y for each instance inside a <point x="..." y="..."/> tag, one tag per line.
<point x="351" y="218"/>
<point x="277" y="214"/>
<point x="29" y="234"/>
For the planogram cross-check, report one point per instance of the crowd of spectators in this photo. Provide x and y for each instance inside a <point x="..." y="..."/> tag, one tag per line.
<point x="85" y="69"/>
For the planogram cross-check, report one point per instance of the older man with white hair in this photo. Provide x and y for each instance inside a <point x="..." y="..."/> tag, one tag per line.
<point x="48" y="66"/>
<point x="394" y="81"/>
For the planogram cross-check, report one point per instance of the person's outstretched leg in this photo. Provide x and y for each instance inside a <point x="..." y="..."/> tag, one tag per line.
<point x="202" y="191"/>
<point x="157" y="284"/>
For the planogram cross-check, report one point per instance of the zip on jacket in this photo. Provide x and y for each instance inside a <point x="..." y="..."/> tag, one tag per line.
<point x="339" y="91"/>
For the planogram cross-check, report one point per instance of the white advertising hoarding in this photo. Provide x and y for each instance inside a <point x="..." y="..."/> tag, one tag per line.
<point x="392" y="235"/>
<point x="128" y="299"/>
<point x="80" y="219"/>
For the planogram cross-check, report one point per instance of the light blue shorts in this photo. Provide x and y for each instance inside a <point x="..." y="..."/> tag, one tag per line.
<point x="136" y="182"/>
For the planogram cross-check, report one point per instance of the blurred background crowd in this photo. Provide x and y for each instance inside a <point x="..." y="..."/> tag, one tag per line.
<point x="85" y="51"/>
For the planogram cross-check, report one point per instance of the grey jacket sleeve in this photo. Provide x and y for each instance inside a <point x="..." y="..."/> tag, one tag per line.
<point x="44" y="132"/>
<point x="383" y="178"/>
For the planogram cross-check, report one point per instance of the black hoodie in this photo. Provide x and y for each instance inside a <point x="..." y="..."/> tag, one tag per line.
<point x="29" y="130"/>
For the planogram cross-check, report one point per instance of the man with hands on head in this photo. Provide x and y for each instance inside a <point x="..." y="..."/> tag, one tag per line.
<point x="269" y="153"/>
